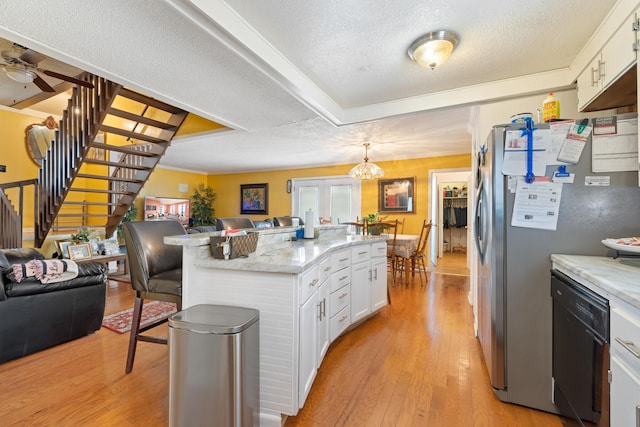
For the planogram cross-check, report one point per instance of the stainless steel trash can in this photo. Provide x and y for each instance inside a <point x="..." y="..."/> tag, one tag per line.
<point x="213" y="366"/>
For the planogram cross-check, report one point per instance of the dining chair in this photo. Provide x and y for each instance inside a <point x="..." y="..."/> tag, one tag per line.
<point x="401" y="226"/>
<point x="416" y="259"/>
<point x="156" y="274"/>
<point x="359" y="227"/>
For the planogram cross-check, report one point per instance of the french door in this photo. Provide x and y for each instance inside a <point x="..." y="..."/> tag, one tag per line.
<point x="334" y="199"/>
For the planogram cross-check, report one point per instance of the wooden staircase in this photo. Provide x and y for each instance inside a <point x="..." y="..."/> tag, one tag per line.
<point x="87" y="180"/>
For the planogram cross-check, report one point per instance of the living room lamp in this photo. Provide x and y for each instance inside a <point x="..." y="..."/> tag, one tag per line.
<point x="433" y="48"/>
<point x="366" y="170"/>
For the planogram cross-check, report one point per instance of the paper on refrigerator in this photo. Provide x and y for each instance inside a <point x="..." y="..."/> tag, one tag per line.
<point x="537" y="205"/>
<point x="515" y="152"/>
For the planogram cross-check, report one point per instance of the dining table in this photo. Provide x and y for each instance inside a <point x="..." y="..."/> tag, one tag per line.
<point x="406" y="245"/>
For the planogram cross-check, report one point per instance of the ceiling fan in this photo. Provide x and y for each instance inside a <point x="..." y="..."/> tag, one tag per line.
<point x="21" y="65"/>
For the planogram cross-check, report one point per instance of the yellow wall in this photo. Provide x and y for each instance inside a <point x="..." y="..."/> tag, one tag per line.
<point x="227" y="187"/>
<point x="164" y="182"/>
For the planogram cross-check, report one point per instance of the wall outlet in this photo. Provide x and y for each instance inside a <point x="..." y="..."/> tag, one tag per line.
<point x="3" y="168"/>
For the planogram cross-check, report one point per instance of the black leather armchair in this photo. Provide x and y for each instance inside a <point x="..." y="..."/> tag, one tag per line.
<point x="35" y="316"/>
<point x="233" y="223"/>
<point x="156" y="273"/>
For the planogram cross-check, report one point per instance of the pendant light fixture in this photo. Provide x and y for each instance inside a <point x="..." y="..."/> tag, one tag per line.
<point x="433" y="48"/>
<point x="366" y="170"/>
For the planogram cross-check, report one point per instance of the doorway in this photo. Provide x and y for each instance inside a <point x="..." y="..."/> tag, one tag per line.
<point x="449" y="203"/>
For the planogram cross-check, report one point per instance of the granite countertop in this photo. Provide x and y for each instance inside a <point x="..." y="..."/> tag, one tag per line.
<point x="619" y="277"/>
<point x="291" y="257"/>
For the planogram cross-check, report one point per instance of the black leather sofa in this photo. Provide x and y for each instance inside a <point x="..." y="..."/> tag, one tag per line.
<point x="35" y="316"/>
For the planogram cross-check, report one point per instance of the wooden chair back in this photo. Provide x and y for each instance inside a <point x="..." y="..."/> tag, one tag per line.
<point x="423" y="239"/>
<point x="359" y="227"/>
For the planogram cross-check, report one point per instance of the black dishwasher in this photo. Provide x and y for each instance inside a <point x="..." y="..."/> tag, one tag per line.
<point x="580" y="352"/>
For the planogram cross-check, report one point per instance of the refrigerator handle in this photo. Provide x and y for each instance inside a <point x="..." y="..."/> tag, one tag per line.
<point x="478" y="221"/>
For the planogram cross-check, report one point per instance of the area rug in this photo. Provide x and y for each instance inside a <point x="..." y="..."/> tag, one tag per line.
<point x="120" y="322"/>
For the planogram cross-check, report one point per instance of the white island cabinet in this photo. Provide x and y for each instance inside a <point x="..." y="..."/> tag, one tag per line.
<point x="303" y="291"/>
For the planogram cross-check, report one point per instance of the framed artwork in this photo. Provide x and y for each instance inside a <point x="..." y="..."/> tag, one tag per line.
<point x="396" y="195"/>
<point x="79" y="251"/>
<point x="61" y="247"/>
<point x="254" y="199"/>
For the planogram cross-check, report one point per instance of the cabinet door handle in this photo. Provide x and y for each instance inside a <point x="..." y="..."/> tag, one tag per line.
<point x="601" y="69"/>
<point x="324" y="307"/>
<point x="629" y="346"/>
<point x="375" y="276"/>
<point x="594" y="77"/>
<point x="638" y="416"/>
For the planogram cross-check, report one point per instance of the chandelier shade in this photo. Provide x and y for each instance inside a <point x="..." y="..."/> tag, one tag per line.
<point x="366" y="170"/>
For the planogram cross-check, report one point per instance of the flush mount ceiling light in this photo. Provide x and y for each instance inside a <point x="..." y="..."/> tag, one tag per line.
<point x="433" y="49"/>
<point x="366" y="170"/>
<point x="19" y="73"/>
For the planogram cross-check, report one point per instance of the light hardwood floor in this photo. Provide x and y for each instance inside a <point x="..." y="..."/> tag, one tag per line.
<point x="416" y="363"/>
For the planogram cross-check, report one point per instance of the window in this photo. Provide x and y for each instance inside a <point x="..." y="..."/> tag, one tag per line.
<point x="335" y="199"/>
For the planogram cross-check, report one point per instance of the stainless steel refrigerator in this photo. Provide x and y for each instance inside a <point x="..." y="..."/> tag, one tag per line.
<point x="514" y="302"/>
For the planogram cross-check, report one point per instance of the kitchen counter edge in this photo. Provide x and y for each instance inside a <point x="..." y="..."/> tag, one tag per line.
<point x="619" y="277"/>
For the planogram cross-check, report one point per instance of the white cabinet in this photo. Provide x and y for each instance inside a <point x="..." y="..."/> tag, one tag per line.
<point x="308" y="333"/>
<point x="378" y="275"/>
<point x="614" y="59"/>
<point x="368" y="279"/>
<point x="360" y="282"/>
<point x="323" y="321"/>
<point x="340" y="293"/>
<point x="625" y="367"/>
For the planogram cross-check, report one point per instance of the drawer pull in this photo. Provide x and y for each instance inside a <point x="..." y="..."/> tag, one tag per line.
<point x="342" y="278"/>
<point x="342" y="319"/>
<point x="343" y="295"/>
<point x="362" y="253"/>
<point x="630" y="346"/>
<point x="344" y="259"/>
<point x="327" y="268"/>
<point x="313" y="282"/>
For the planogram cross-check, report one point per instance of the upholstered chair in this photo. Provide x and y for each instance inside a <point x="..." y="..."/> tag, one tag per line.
<point x="156" y="273"/>
<point x="233" y="223"/>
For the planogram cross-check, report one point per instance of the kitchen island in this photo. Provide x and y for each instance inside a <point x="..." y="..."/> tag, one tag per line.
<point x="308" y="292"/>
<point x="618" y="281"/>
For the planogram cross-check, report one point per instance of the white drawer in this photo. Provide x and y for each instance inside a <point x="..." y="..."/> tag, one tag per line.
<point x="325" y="269"/>
<point x="339" y="323"/>
<point x="379" y="249"/>
<point x="308" y="282"/>
<point x="340" y="260"/>
<point x="360" y="253"/>
<point x="339" y="300"/>
<point x="625" y="337"/>
<point x="339" y="279"/>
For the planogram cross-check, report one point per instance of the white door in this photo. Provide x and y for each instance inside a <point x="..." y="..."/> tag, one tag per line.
<point x="334" y="199"/>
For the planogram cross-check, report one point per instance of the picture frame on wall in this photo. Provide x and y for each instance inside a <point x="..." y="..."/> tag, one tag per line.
<point x="254" y="199"/>
<point x="396" y="195"/>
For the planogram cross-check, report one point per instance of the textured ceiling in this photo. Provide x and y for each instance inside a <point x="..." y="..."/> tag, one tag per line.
<point x="306" y="83"/>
